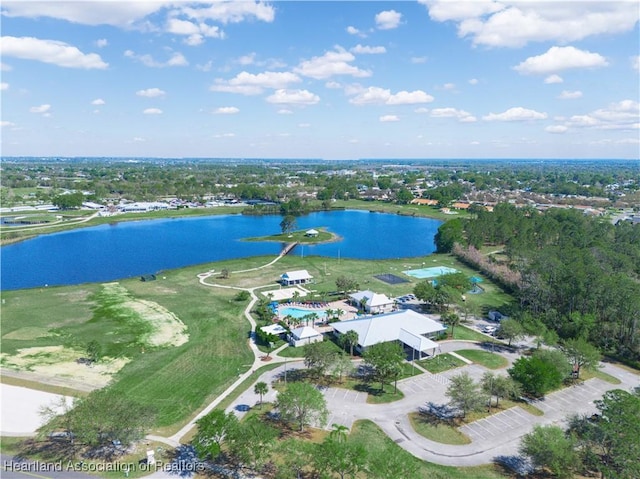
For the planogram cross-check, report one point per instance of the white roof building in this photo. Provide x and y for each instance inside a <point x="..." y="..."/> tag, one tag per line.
<point x="373" y="302"/>
<point x="301" y="276"/>
<point x="274" y="329"/>
<point x="304" y="335"/>
<point x="407" y="326"/>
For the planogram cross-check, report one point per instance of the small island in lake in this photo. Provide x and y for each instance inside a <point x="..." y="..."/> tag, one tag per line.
<point x="307" y="236"/>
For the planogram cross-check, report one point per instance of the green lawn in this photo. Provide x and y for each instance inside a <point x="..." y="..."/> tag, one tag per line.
<point x="442" y="362"/>
<point x="299" y="237"/>
<point x="468" y="334"/>
<point x="484" y="358"/>
<point x="437" y="431"/>
<point x="377" y="443"/>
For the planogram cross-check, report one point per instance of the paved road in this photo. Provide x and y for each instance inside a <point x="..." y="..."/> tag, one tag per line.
<point x="497" y="435"/>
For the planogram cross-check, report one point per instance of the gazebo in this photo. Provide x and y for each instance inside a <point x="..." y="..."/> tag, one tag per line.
<point x="312" y="233"/>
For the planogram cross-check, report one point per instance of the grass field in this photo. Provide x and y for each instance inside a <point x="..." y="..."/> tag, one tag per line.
<point x="299" y="237"/>
<point x="441" y="363"/>
<point x="180" y="380"/>
<point x="484" y="358"/>
<point x="437" y="431"/>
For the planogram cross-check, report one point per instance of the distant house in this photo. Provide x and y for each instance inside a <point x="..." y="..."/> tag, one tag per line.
<point x="372" y="303"/>
<point x="295" y="277"/>
<point x="276" y="329"/>
<point x="312" y="233"/>
<point x="424" y="201"/>
<point x="412" y="329"/>
<point x="304" y="335"/>
<point x="496" y="316"/>
<point x="148" y="277"/>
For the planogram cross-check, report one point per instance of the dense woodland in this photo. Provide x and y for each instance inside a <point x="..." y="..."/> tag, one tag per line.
<point x="578" y="276"/>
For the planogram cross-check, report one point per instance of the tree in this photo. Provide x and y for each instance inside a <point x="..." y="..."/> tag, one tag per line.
<point x="448" y="234"/>
<point x="288" y="224"/>
<point x="386" y="361"/>
<point x="349" y="340"/>
<point x="318" y="357"/>
<point x="581" y="354"/>
<point x="68" y="201"/>
<point x="404" y="196"/>
<point x="345" y="284"/>
<point x="537" y="375"/>
<point x="619" y="426"/>
<point x="341" y="365"/>
<point x="94" y="350"/>
<point x="465" y="394"/>
<point x="498" y="386"/>
<point x="548" y="447"/>
<point x="345" y="459"/>
<point x="302" y="404"/>
<point x="511" y="329"/>
<point x="451" y="319"/>
<point x="339" y="433"/>
<point x="251" y="442"/>
<point x="212" y="431"/>
<point x="261" y="388"/>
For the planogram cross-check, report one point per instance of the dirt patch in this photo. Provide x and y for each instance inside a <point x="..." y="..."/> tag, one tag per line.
<point x="60" y="362"/>
<point x="27" y="333"/>
<point x="75" y="296"/>
<point x="167" y="329"/>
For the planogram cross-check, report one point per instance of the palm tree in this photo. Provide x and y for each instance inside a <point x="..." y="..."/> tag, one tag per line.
<point x="339" y="312"/>
<point x="295" y="296"/>
<point x="350" y="339"/>
<point x="339" y="433"/>
<point x="290" y="320"/>
<point x="261" y="388"/>
<point x="451" y="319"/>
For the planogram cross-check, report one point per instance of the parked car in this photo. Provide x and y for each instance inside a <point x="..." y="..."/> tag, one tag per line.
<point x="489" y="329"/>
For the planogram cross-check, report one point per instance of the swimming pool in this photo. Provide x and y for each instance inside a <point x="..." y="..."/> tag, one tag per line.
<point x="300" y="312"/>
<point x="432" y="272"/>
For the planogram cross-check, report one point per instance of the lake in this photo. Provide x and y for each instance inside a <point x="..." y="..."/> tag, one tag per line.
<point x="121" y="250"/>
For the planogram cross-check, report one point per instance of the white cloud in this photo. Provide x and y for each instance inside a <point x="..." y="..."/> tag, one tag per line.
<point x="138" y="139"/>
<point x="248" y="59"/>
<point x="152" y="111"/>
<point x="4" y="86"/>
<point x="635" y="63"/>
<point x="421" y="110"/>
<point x="449" y="86"/>
<point x="40" y="109"/>
<point x="293" y="97"/>
<point x="418" y="60"/>
<point x="121" y="14"/>
<point x="389" y="118"/>
<point x="560" y="58"/>
<point x="623" y="115"/>
<point x="377" y="95"/>
<point x="254" y="84"/>
<point x="366" y="49"/>
<point x="553" y="79"/>
<point x="151" y="93"/>
<point x="304" y="125"/>
<point x="473" y="81"/>
<point x="515" y="114"/>
<point x="50" y="51"/>
<point x="570" y="95"/>
<point x="227" y="110"/>
<point x="177" y="60"/>
<point x="284" y="111"/>
<point x="230" y="12"/>
<point x="98" y="102"/>
<point x="557" y="129"/>
<point x="195" y="32"/>
<point x="102" y="42"/>
<point x="514" y="23"/>
<point x="460" y="115"/>
<point x="4" y="67"/>
<point x="224" y="135"/>
<point x="6" y="123"/>
<point x="204" y="67"/>
<point x="388" y="20"/>
<point x="331" y="63"/>
<point x="334" y="85"/>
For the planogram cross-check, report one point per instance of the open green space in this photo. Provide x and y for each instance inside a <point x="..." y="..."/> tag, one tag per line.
<point x="179" y="380"/>
<point x="467" y="334"/>
<point x="440" y="363"/>
<point x="436" y="430"/>
<point x="484" y="358"/>
<point x="378" y="444"/>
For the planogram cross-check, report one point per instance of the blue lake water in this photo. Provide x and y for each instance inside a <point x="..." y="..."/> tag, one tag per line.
<point x="122" y="250"/>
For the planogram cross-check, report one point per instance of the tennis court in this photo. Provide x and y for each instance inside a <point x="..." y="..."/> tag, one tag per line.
<point x="432" y="272"/>
<point x="390" y="278"/>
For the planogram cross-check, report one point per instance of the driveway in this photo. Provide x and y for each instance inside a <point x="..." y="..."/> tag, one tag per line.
<point x="497" y="435"/>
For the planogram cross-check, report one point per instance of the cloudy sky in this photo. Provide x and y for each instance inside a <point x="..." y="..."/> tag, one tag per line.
<point x="333" y="79"/>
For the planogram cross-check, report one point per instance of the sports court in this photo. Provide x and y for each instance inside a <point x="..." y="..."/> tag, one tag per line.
<point x="390" y="278"/>
<point x="433" y="272"/>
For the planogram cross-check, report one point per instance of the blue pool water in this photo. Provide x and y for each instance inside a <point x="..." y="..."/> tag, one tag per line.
<point x="300" y="312"/>
<point x="432" y="272"/>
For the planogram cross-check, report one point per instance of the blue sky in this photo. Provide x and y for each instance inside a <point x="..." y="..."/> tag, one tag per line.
<point x="335" y="80"/>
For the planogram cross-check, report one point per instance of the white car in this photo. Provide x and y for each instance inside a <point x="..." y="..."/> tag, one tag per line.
<point x="489" y="329"/>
